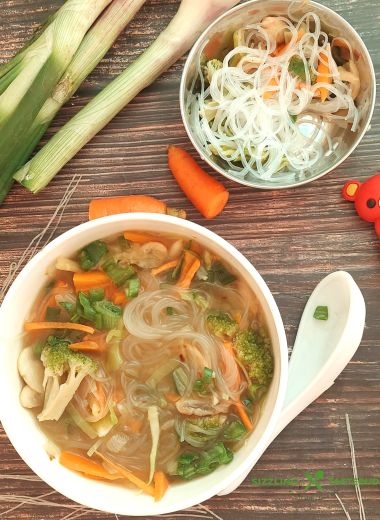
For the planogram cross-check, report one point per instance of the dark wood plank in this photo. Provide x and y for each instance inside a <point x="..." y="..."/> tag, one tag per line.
<point x="293" y="237"/>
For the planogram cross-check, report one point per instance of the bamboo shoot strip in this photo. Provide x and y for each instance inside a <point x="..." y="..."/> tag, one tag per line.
<point x="191" y="19"/>
<point x="92" y="49"/>
<point x="45" y="63"/>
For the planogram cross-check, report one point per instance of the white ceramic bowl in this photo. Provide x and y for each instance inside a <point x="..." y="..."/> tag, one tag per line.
<point x="21" y="425"/>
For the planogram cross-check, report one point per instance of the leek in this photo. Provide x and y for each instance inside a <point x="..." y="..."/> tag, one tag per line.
<point x="40" y="70"/>
<point x="191" y="19"/>
<point x="92" y="49"/>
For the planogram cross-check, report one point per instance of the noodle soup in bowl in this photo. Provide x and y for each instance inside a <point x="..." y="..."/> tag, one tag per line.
<point x="256" y="99"/>
<point x="33" y="438"/>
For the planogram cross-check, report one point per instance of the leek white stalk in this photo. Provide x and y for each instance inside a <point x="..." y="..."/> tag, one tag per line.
<point x="43" y="65"/>
<point x="190" y="21"/>
<point x="92" y="49"/>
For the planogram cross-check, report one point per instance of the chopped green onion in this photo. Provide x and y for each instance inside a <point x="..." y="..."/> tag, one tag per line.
<point x="116" y="273"/>
<point x="187" y="458"/>
<point x="52" y="313"/>
<point x="293" y="117"/>
<point x="207" y="375"/>
<point x="132" y="291"/>
<point x="98" y="321"/>
<point x="223" y="276"/>
<point x="177" y="270"/>
<point x="91" y="255"/>
<point x="69" y="307"/>
<point x="198" y="386"/>
<point x="84" y="307"/>
<point x="113" y="417"/>
<point x="110" y="313"/>
<point x="96" y="295"/>
<point x="197" y="298"/>
<point x="114" y="359"/>
<point x="321" y="313"/>
<point x="236" y="430"/>
<point x="49" y="286"/>
<point x="124" y="244"/>
<point x="180" y="380"/>
<point x="257" y="392"/>
<point x="169" y="311"/>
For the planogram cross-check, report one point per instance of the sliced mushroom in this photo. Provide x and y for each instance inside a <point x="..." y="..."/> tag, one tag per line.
<point x="31" y="369"/>
<point x="29" y="398"/>
<point x="152" y="254"/>
<point x="275" y="28"/>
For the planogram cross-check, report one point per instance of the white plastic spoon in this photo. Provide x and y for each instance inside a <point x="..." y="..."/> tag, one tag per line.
<point x="322" y="348"/>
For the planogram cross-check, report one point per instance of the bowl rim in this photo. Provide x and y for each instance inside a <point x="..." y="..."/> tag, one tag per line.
<point x="69" y="491"/>
<point x="253" y="184"/>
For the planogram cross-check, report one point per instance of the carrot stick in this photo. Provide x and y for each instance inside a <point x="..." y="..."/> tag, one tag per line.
<point x="164" y="267"/>
<point x="270" y="93"/>
<point x="92" y="279"/>
<point x="141" y="238"/>
<point x="119" y="297"/>
<point x="277" y="50"/>
<point x="322" y="78"/>
<point x="99" y="339"/>
<point x="58" y="325"/>
<point x="132" y="203"/>
<point x="77" y="463"/>
<point x="185" y="283"/>
<point x="340" y="43"/>
<point x="244" y="417"/>
<point x="85" y="345"/>
<point x="134" y="425"/>
<point x="173" y="398"/>
<point x="160" y="486"/>
<point x="207" y="194"/>
<point x="281" y="51"/>
<point x="138" y="482"/>
<point x="302" y="84"/>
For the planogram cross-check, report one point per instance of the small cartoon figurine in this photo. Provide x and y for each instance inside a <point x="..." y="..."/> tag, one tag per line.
<point x="367" y="199"/>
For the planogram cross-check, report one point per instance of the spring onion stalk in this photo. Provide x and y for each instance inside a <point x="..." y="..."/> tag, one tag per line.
<point x="94" y="46"/>
<point x="191" y="19"/>
<point x="44" y="64"/>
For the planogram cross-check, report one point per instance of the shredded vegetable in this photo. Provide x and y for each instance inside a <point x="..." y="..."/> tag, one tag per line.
<point x="155" y="431"/>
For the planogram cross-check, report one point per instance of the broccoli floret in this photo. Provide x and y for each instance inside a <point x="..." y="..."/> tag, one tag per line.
<point x="201" y="430"/>
<point x="58" y="358"/>
<point x="221" y="324"/>
<point x="252" y="349"/>
<point x="209" y="67"/>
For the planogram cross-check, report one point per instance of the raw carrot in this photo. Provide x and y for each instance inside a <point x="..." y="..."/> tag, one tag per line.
<point x="119" y="297"/>
<point x="132" y="203"/>
<point x="244" y="417"/>
<point x="185" y="283"/>
<point x="85" y="345"/>
<point x="58" y="325"/>
<point x="160" y="486"/>
<point x="207" y="194"/>
<point x="164" y="267"/>
<point x="141" y="238"/>
<point x="89" y="467"/>
<point x="99" y="338"/>
<point x="322" y="78"/>
<point x="270" y="93"/>
<point x="127" y="474"/>
<point x="90" y="280"/>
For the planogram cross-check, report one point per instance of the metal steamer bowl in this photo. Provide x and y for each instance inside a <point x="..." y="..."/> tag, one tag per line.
<point x="217" y="42"/>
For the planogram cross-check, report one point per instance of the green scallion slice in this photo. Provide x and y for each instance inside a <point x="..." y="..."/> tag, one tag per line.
<point x="96" y="295"/>
<point x="321" y="313"/>
<point x="52" y="313"/>
<point x="91" y="255"/>
<point x="222" y="274"/>
<point x="116" y="273"/>
<point x="207" y="375"/>
<point x="84" y="308"/>
<point x="110" y="314"/>
<point x="132" y="291"/>
<point x="124" y="244"/>
<point x="169" y="311"/>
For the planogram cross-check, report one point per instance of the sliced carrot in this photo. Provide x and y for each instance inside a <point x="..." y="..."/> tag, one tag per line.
<point x="141" y="238"/>
<point x="130" y="204"/>
<point x="185" y="283"/>
<point x="302" y="84"/>
<point x="244" y="417"/>
<point x="322" y="78"/>
<point x="85" y="345"/>
<point x="281" y="51"/>
<point x="340" y="43"/>
<point x="278" y="50"/>
<point x="60" y="284"/>
<point x="89" y="467"/>
<point x="188" y="261"/>
<point x="133" y="424"/>
<point x="40" y="325"/>
<point x="164" y="267"/>
<point x="160" y="486"/>
<point x="127" y="474"/>
<point x="99" y="338"/>
<point x="269" y="94"/>
<point x="207" y="194"/>
<point x="173" y="398"/>
<point x="90" y="280"/>
<point x="119" y="297"/>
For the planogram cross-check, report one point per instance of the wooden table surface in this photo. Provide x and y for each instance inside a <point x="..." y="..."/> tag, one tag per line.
<point x="293" y="237"/>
